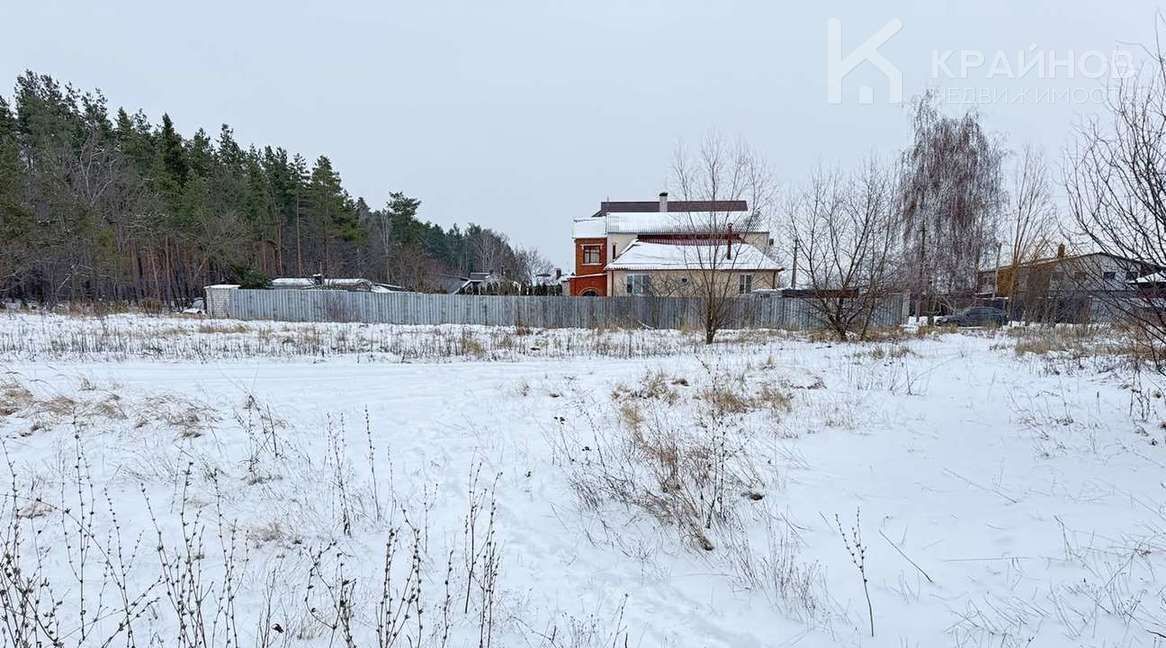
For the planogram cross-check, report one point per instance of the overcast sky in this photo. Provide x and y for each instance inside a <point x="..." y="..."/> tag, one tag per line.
<point x="521" y="115"/>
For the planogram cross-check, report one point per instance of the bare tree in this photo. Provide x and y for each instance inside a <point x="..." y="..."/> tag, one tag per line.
<point x="1117" y="192"/>
<point x="529" y="264"/>
<point x="951" y="193"/>
<point x="850" y="245"/>
<point x="1030" y="226"/>
<point x="410" y="266"/>
<point x="717" y="175"/>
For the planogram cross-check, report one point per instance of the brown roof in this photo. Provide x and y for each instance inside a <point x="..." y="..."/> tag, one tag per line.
<point x="645" y="206"/>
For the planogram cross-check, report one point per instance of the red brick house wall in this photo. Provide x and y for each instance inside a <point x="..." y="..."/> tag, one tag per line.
<point x="597" y="285"/>
<point x="581" y="282"/>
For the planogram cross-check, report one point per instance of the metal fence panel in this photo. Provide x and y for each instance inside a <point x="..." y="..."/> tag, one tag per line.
<point x="541" y="312"/>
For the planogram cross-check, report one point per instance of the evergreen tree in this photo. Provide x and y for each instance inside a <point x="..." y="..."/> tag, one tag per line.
<point x="330" y="212"/>
<point x="170" y="167"/>
<point x="15" y="220"/>
<point x="99" y="207"/>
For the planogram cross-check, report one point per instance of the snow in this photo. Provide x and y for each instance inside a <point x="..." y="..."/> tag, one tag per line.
<point x="1003" y="498"/>
<point x="641" y="255"/>
<point x="680" y="222"/>
<point x="660" y="223"/>
<point x="590" y="228"/>
<point x="1155" y="278"/>
<point x="332" y="282"/>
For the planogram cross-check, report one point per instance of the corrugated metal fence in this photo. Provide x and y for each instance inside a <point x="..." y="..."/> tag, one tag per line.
<point x="541" y="312"/>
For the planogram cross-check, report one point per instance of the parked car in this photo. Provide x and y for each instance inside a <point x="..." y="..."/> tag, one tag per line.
<point x="974" y="316"/>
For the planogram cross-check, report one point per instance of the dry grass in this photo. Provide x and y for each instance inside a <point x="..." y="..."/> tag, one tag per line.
<point x="1078" y="342"/>
<point x="91" y="404"/>
<point x="37" y="336"/>
<point x="886" y="334"/>
<point x="879" y="352"/>
<point x="739" y="397"/>
<point x="45" y="411"/>
<point x="653" y="386"/>
<point x="685" y="477"/>
<point x="186" y="418"/>
<point x="679" y="455"/>
<point x="723" y="399"/>
<point x="222" y="328"/>
<point x="774" y="399"/>
<point x="684" y="458"/>
<point x="272" y="532"/>
<point x="14" y="397"/>
<point x="631" y="415"/>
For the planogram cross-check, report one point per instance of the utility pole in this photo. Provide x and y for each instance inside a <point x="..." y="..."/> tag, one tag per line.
<point x="923" y="279"/>
<point x="996" y="279"/>
<point x="793" y="280"/>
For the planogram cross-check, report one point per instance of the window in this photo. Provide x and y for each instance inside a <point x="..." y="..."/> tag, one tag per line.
<point x="744" y="283"/>
<point x="1132" y="274"/>
<point x="591" y="255"/>
<point x="1109" y="276"/>
<point x="638" y="284"/>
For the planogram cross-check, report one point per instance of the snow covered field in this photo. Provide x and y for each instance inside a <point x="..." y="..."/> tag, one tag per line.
<point x="177" y="482"/>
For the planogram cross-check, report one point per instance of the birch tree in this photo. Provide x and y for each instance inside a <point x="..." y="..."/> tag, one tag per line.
<point x="951" y="192"/>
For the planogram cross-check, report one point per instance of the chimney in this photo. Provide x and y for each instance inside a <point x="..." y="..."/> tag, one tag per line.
<point x="663" y="201"/>
<point x="1061" y="251"/>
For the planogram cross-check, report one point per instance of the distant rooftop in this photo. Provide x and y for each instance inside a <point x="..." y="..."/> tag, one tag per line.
<point x="1070" y="258"/>
<point x="661" y="256"/>
<point x="648" y="223"/>
<point x="353" y="284"/>
<point x="664" y="216"/>
<point x="646" y="206"/>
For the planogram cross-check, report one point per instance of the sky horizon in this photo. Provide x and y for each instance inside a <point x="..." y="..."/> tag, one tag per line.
<point x="521" y="116"/>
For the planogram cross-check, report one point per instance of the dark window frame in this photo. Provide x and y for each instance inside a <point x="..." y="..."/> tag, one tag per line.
<point x="638" y="283"/>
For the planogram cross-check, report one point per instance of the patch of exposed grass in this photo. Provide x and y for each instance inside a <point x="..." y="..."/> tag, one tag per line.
<point x="739" y="397"/>
<point x="654" y="385"/>
<point x="879" y="352"/>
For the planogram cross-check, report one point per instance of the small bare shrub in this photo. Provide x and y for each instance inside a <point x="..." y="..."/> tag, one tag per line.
<point x="857" y="551"/>
<point x="588" y="631"/>
<point x="793" y="586"/>
<point x="688" y="476"/>
<point x="103" y="607"/>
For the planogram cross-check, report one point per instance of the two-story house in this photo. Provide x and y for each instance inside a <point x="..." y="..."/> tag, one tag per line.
<point x="1064" y="273"/>
<point x="665" y="247"/>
